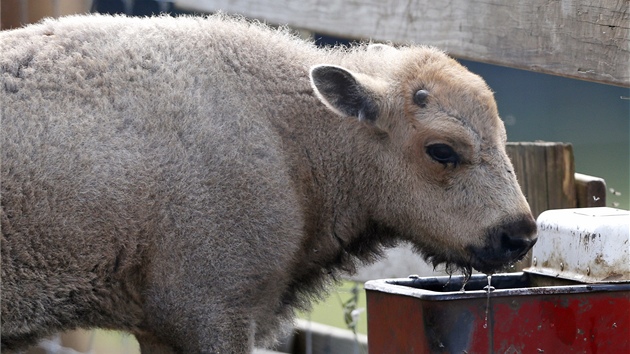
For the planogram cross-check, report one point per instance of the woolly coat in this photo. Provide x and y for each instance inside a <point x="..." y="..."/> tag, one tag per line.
<point x="189" y="181"/>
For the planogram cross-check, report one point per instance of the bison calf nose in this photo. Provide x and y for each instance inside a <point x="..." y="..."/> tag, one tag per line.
<point x="505" y="243"/>
<point x="516" y="238"/>
<point x="516" y="244"/>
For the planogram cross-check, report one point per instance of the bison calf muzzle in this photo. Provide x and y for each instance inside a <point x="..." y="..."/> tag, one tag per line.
<point x="506" y="243"/>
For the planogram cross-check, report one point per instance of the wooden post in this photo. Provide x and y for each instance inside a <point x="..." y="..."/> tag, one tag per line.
<point x="545" y="172"/>
<point x="591" y="191"/>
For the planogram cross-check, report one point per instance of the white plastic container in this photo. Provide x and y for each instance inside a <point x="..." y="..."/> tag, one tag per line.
<point x="589" y="245"/>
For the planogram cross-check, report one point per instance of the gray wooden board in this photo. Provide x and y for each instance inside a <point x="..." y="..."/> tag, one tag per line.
<point x="584" y="39"/>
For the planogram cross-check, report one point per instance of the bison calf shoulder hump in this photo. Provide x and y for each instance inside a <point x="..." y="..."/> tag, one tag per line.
<point x="194" y="180"/>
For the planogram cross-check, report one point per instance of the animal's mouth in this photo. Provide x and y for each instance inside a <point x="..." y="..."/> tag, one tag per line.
<point x="488" y="261"/>
<point x="506" y="243"/>
<point x="466" y="266"/>
<point x="488" y="267"/>
<point x="480" y="260"/>
<point x="484" y="260"/>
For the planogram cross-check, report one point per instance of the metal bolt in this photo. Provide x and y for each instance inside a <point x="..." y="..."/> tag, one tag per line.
<point x="561" y="266"/>
<point x="534" y="261"/>
<point x="588" y="270"/>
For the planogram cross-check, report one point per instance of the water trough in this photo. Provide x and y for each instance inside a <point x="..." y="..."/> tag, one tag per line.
<point x="575" y="298"/>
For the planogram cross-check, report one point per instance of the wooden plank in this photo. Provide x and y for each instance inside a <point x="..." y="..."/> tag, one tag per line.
<point x="528" y="163"/>
<point x="535" y="173"/>
<point x="545" y="172"/>
<point x="591" y="191"/>
<point x="15" y="13"/>
<point x="582" y="39"/>
<point x="11" y="14"/>
<point x="560" y="172"/>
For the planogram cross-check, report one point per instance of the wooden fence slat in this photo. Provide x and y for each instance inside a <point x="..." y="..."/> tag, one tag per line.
<point x="560" y="176"/>
<point x="545" y="172"/>
<point x="591" y="191"/>
<point x="582" y="39"/>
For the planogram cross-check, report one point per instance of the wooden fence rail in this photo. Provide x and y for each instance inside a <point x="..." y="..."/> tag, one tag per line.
<point x="582" y="39"/>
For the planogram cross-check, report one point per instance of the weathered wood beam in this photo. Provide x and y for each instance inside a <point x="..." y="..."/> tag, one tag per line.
<point x="591" y="191"/>
<point x="546" y="173"/>
<point x="583" y="39"/>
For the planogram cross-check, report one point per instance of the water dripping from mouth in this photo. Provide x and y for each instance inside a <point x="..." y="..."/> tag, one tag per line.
<point x="467" y="275"/>
<point x="488" y="288"/>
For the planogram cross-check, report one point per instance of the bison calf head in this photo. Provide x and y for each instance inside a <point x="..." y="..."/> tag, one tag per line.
<point x="440" y="177"/>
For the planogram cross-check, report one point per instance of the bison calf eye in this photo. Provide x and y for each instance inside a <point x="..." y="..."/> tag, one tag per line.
<point x="420" y="98"/>
<point x="443" y="154"/>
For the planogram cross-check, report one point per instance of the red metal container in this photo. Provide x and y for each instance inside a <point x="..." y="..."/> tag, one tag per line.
<point x="524" y="314"/>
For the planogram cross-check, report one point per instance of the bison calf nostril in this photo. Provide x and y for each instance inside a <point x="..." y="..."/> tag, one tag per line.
<point x="518" y="237"/>
<point x="516" y="243"/>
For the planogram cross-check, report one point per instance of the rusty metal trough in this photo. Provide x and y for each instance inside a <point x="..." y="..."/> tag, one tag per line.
<point x="582" y="308"/>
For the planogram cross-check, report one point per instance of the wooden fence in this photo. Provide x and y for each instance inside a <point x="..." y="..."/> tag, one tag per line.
<point x="583" y="39"/>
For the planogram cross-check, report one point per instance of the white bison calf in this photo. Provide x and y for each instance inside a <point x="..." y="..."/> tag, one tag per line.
<point x="194" y="180"/>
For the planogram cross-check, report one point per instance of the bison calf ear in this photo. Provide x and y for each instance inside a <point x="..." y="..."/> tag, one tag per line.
<point x="342" y="92"/>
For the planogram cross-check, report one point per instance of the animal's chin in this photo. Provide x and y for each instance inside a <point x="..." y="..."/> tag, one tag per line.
<point x="487" y="268"/>
<point x="466" y="265"/>
<point x="489" y="263"/>
<point x="451" y="265"/>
